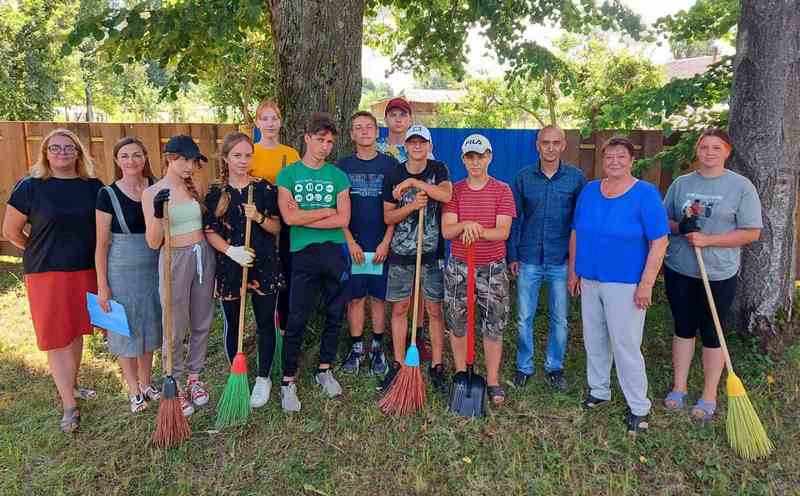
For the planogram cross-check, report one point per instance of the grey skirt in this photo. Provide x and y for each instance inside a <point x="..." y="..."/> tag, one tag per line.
<point x="133" y="278"/>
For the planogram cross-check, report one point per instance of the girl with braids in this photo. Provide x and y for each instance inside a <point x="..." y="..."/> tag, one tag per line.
<point x="269" y="157"/>
<point x="228" y="212"/>
<point x="127" y="269"/>
<point x="192" y="263"/>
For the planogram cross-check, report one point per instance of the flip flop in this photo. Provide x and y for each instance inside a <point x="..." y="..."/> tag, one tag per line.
<point x="706" y="408"/>
<point x="85" y="394"/>
<point x="678" y="398"/>
<point x="71" y="420"/>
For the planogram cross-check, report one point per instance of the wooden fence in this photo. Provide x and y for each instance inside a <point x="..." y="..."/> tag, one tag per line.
<point x="20" y="143"/>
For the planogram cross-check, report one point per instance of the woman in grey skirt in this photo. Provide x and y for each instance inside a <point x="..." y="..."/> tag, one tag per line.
<point x="127" y="269"/>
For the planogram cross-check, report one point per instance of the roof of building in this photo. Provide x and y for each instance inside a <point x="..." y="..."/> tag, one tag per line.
<point x="687" y="68"/>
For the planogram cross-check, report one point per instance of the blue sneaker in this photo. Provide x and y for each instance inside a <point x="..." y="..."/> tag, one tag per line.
<point x="353" y="362"/>
<point x="377" y="360"/>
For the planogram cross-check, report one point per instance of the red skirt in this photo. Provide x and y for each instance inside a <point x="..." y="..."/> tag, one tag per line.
<point x="58" y="306"/>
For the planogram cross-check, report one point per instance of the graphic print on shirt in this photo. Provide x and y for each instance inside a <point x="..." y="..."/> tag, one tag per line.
<point x="366" y="185"/>
<point x="314" y="193"/>
<point x="404" y="240"/>
<point x="700" y="206"/>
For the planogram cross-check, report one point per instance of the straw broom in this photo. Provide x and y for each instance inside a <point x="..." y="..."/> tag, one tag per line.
<point x="234" y="405"/>
<point x="171" y="426"/>
<point x="406" y="395"/>
<point x="746" y="435"/>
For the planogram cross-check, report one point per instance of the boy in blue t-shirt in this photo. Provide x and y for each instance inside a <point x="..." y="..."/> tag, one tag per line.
<point x="366" y="233"/>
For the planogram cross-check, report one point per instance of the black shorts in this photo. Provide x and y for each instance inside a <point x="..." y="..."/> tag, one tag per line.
<point x="690" y="311"/>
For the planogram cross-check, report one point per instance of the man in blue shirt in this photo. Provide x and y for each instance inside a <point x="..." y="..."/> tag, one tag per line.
<point x="367" y="233"/>
<point x="545" y="195"/>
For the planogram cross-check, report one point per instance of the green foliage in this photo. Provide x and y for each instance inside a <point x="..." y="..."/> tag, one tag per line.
<point x="372" y="92"/>
<point x="705" y="20"/>
<point x="31" y="69"/>
<point x="685" y="50"/>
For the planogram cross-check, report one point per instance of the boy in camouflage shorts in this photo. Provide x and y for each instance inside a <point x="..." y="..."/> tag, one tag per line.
<point x="480" y="214"/>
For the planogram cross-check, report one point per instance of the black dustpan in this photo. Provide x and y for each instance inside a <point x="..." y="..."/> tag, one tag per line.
<point x="468" y="392"/>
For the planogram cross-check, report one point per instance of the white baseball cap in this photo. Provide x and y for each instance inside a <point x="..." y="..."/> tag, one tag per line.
<point x="476" y="143"/>
<point x="418" y="130"/>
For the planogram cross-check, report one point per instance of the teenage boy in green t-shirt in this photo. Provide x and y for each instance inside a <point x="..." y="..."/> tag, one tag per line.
<point x="314" y="199"/>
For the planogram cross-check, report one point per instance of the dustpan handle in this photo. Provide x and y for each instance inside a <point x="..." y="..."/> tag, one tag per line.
<point x="471" y="304"/>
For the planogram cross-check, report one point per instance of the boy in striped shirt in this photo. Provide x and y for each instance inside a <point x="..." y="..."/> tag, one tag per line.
<point x="480" y="212"/>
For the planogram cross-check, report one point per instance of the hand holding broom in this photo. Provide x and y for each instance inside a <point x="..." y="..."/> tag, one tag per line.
<point x="234" y="405"/>
<point x="171" y="426"/>
<point x="746" y="435"/>
<point x="407" y="393"/>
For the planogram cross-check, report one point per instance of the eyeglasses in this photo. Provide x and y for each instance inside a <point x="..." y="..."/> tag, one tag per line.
<point x="62" y="150"/>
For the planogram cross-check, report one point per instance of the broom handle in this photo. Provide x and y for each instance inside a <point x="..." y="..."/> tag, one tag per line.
<point x="471" y="304"/>
<point x="699" y="254"/>
<point x="167" y="286"/>
<point x="415" y="294"/>
<point x="248" y="226"/>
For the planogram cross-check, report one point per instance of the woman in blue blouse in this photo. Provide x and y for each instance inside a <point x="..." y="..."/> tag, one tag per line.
<point x="617" y="244"/>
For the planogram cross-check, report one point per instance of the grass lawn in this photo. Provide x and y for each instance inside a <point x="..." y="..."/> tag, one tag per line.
<point x="538" y="443"/>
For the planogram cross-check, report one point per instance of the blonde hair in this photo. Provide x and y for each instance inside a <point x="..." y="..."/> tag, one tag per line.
<point x="230" y="141"/>
<point x="268" y="104"/>
<point x="84" y="164"/>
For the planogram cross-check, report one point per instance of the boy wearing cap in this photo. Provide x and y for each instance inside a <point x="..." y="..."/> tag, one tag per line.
<point x="314" y="199"/>
<point x="418" y="183"/>
<point x="480" y="214"/>
<point x="398" y="116"/>
<point x="367" y="232"/>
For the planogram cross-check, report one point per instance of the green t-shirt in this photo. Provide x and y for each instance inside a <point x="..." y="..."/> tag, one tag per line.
<point x="313" y="189"/>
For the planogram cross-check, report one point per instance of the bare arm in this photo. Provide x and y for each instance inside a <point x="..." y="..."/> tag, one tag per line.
<point x="573" y="281"/>
<point x="441" y="192"/>
<point x="382" y="251"/>
<point x="673" y="227"/>
<point x="154" y="229"/>
<point x="342" y="216"/>
<point x="730" y="239"/>
<point x="451" y="227"/>
<point x="270" y="224"/>
<point x="501" y="230"/>
<point x="14" y="227"/>
<point x="392" y="214"/>
<point x="643" y="297"/>
<point x="295" y="216"/>
<point x="102" y="222"/>
<point x="217" y="241"/>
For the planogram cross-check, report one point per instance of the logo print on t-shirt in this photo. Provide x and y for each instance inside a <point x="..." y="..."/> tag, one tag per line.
<point x="309" y="187"/>
<point x="310" y="197"/>
<point x="298" y="198"/>
<point x="298" y="188"/>
<point x="318" y="187"/>
<point x="328" y="198"/>
<point x="329" y="188"/>
<point x="317" y="197"/>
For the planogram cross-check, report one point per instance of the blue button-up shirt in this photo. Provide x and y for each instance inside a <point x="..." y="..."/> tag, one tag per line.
<point x="540" y="232"/>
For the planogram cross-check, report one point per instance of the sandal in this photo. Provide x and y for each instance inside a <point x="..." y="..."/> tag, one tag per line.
<point x="86" y="394"/>
<point x="138" y="403"/>
<point x="71" y="420"/>
<point x="677" y="398"/>
<point x="150" y="393"/>
<point x="705" y="409"/>
<point x="496" y="394"/>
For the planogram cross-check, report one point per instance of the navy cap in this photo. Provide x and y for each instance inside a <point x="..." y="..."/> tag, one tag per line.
<point x="185" y="147"/>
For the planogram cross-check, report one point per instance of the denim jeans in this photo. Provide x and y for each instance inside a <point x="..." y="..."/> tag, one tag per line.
<point x="528" y="283"/>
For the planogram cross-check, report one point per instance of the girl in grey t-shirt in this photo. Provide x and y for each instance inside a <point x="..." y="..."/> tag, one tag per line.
<point x="718" y="211"/>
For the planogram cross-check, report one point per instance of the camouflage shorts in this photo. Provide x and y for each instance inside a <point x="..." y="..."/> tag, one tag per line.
<point x="491" y="293"/>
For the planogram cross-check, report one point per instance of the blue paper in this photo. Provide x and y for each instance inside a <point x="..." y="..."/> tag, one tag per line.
<point x="115" y="321"/>
<point x="368" y="268"/>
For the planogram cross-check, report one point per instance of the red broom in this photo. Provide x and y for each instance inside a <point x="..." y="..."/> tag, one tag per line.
<point x="406" y="395"/>
<point x="234" y="405"/>
<point x="171" y="426"/>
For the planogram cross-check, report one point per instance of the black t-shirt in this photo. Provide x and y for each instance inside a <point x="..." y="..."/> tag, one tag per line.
<point x="131" y="210"/>
<point x="265" y="275"/>
<point x="61" y="215"/>
<point x="404" y="240"/>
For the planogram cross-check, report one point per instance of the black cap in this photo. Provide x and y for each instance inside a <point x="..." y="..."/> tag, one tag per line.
<point x="185" y="147"/>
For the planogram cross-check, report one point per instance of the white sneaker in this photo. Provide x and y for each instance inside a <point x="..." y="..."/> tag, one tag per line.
<point x="289" y="400"/>
<point x="260" y="395"/>
<point x="329" y="384"/>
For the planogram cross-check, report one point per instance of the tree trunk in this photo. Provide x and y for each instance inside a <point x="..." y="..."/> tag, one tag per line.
<point x="765" y="129"/>
<point x="89" y="102"/>
<point x="318" y="50"/>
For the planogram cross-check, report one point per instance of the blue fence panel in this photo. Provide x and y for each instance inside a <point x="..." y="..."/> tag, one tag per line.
<point x="512" y="149"/>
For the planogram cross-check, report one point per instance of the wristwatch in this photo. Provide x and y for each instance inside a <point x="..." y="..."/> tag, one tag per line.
<point x="263" y="218"/>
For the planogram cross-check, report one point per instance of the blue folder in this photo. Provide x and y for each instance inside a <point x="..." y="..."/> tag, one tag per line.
<point x="368" y="268"/>
<point x="115" y="321"/>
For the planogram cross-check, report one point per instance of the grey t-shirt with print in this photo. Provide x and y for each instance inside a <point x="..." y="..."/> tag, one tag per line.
<point x="721" y="204"/>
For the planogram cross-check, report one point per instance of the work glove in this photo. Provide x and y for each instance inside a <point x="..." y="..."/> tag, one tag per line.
<point x="688" y="225"/>
<point x="158" y="203"/>
<point x="241" y="255"/>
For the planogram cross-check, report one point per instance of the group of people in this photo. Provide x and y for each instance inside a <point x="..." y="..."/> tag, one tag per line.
<point x="313" y="222"/>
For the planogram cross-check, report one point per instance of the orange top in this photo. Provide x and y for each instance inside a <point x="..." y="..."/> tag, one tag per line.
<point x="267" y="162"/>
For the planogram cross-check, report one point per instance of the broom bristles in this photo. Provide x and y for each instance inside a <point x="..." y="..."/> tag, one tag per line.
<point x="746" y="434"/>
<point x="234" y="404"/>
<point x="406" y="395"/>
<point x="171" y="426"/>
